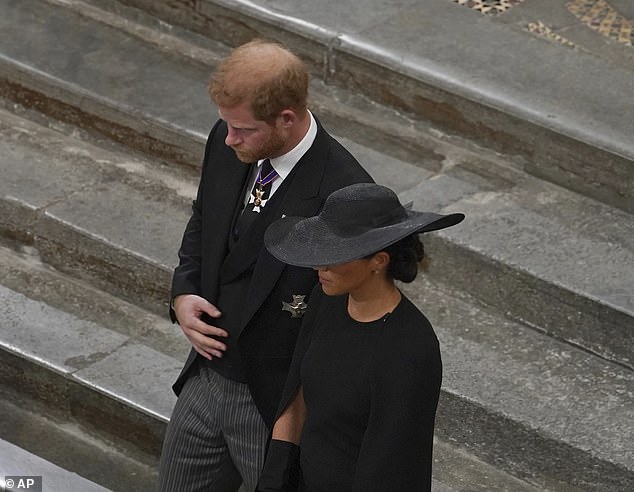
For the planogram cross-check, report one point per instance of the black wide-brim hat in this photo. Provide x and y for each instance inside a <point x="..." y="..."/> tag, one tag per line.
<point x="356" y="221"/>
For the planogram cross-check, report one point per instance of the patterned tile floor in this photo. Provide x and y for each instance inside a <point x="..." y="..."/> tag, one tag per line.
<point x="491" y="7"/>
<point x="603" y="18"/>
<point x="544" y="31"/>
<point x="598" y="15"/>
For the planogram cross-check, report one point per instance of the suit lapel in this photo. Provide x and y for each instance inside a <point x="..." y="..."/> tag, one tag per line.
<point x="245" y="251"/>
<point x="300" y="197"/>
<point x="287" y="200"/>
<point x="223" y="190"/>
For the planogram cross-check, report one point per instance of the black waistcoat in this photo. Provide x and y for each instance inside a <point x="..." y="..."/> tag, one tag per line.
<point x="233" y="289"/>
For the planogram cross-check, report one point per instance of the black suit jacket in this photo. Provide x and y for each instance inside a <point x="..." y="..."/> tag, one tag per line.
<point x="267" y="334"/>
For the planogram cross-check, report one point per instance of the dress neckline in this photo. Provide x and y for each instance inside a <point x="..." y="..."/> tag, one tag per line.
<point x="379" y="321"/>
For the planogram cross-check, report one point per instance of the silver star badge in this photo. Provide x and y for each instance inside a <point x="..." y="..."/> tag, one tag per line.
<point x="297" y="307"/>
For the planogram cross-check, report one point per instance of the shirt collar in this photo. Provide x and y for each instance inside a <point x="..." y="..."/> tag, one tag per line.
<point x="284" y="164"/>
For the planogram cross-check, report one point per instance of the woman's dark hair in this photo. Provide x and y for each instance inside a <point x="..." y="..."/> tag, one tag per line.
<point x="405" y="255"/>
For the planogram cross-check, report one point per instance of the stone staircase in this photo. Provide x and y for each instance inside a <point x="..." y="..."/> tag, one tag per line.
<point x="103" y="120"/>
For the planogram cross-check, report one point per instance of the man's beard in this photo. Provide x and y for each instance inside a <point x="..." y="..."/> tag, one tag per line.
<point x="271" y="148"/>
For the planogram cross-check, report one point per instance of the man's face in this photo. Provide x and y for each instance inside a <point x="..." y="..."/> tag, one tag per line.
<point x="251" y="139"/>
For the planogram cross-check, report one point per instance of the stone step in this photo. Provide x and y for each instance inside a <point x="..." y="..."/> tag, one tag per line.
<point x="90" y="399"/>
<point x="106" y="216"/>
<point x="143" y="89"/>
<point x="113" y="222"/>
<point x="22" y="470"/>
<point x="528" y="242"/>
<point x="96" y="395"/>
<point x="539" y="409"/>
<point x="550" y="258"/>
<point x="485" y="78"/>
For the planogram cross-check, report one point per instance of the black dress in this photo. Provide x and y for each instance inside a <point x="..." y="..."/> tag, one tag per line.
<point x="371" y="392"/>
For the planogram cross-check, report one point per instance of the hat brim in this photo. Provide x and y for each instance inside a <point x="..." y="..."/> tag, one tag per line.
<point x="311" y="242"/>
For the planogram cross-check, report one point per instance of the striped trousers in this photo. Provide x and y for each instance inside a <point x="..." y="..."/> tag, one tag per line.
<point x="215" y="439"/>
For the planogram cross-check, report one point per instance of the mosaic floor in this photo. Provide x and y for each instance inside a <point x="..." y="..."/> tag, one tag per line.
<point x="489" y="6"/>
<point x="602" y="17"/>
<point x="544" y="31"/>
<point x="598" y="15"/>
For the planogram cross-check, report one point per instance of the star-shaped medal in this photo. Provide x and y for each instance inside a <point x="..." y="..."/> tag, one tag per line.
<point x="296" y="307"/>
<point x="257" y="200"/>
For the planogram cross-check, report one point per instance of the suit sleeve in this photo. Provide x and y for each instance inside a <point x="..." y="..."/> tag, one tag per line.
<point x="186" y="278"/>
<point x="396" y="452"/>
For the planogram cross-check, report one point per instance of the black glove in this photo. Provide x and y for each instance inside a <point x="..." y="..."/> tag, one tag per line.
<point x="281" y="468"/>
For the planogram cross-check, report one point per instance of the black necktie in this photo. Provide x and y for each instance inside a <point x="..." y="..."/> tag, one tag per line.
<point x="260" y="194"/>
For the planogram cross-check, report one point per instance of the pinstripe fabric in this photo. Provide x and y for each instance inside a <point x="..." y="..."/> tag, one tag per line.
<point x="215" y="439"/>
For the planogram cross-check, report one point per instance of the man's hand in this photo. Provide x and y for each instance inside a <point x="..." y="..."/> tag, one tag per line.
<point x="189" y="308"/>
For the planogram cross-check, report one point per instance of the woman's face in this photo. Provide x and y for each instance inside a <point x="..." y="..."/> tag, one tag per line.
<point x="346" y="278"/>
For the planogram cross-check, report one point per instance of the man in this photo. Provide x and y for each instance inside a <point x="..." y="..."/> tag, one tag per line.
<point x="239" y="307"/>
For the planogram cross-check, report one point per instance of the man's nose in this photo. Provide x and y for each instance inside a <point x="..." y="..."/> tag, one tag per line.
<point x="232" y="137"/>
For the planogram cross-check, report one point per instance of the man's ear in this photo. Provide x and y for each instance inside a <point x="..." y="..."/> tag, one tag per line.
<point x="287" y="117"/>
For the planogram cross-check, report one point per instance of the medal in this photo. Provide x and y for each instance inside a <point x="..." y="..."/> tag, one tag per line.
<point x="258" y="192"/>
<point x="296" y="307"/>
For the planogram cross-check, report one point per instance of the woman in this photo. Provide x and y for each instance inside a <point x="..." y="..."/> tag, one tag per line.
<point x="362" y="392"/>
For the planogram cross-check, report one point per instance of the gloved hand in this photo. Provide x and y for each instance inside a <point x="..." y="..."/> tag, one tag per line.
<point x="281" y="468"/>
